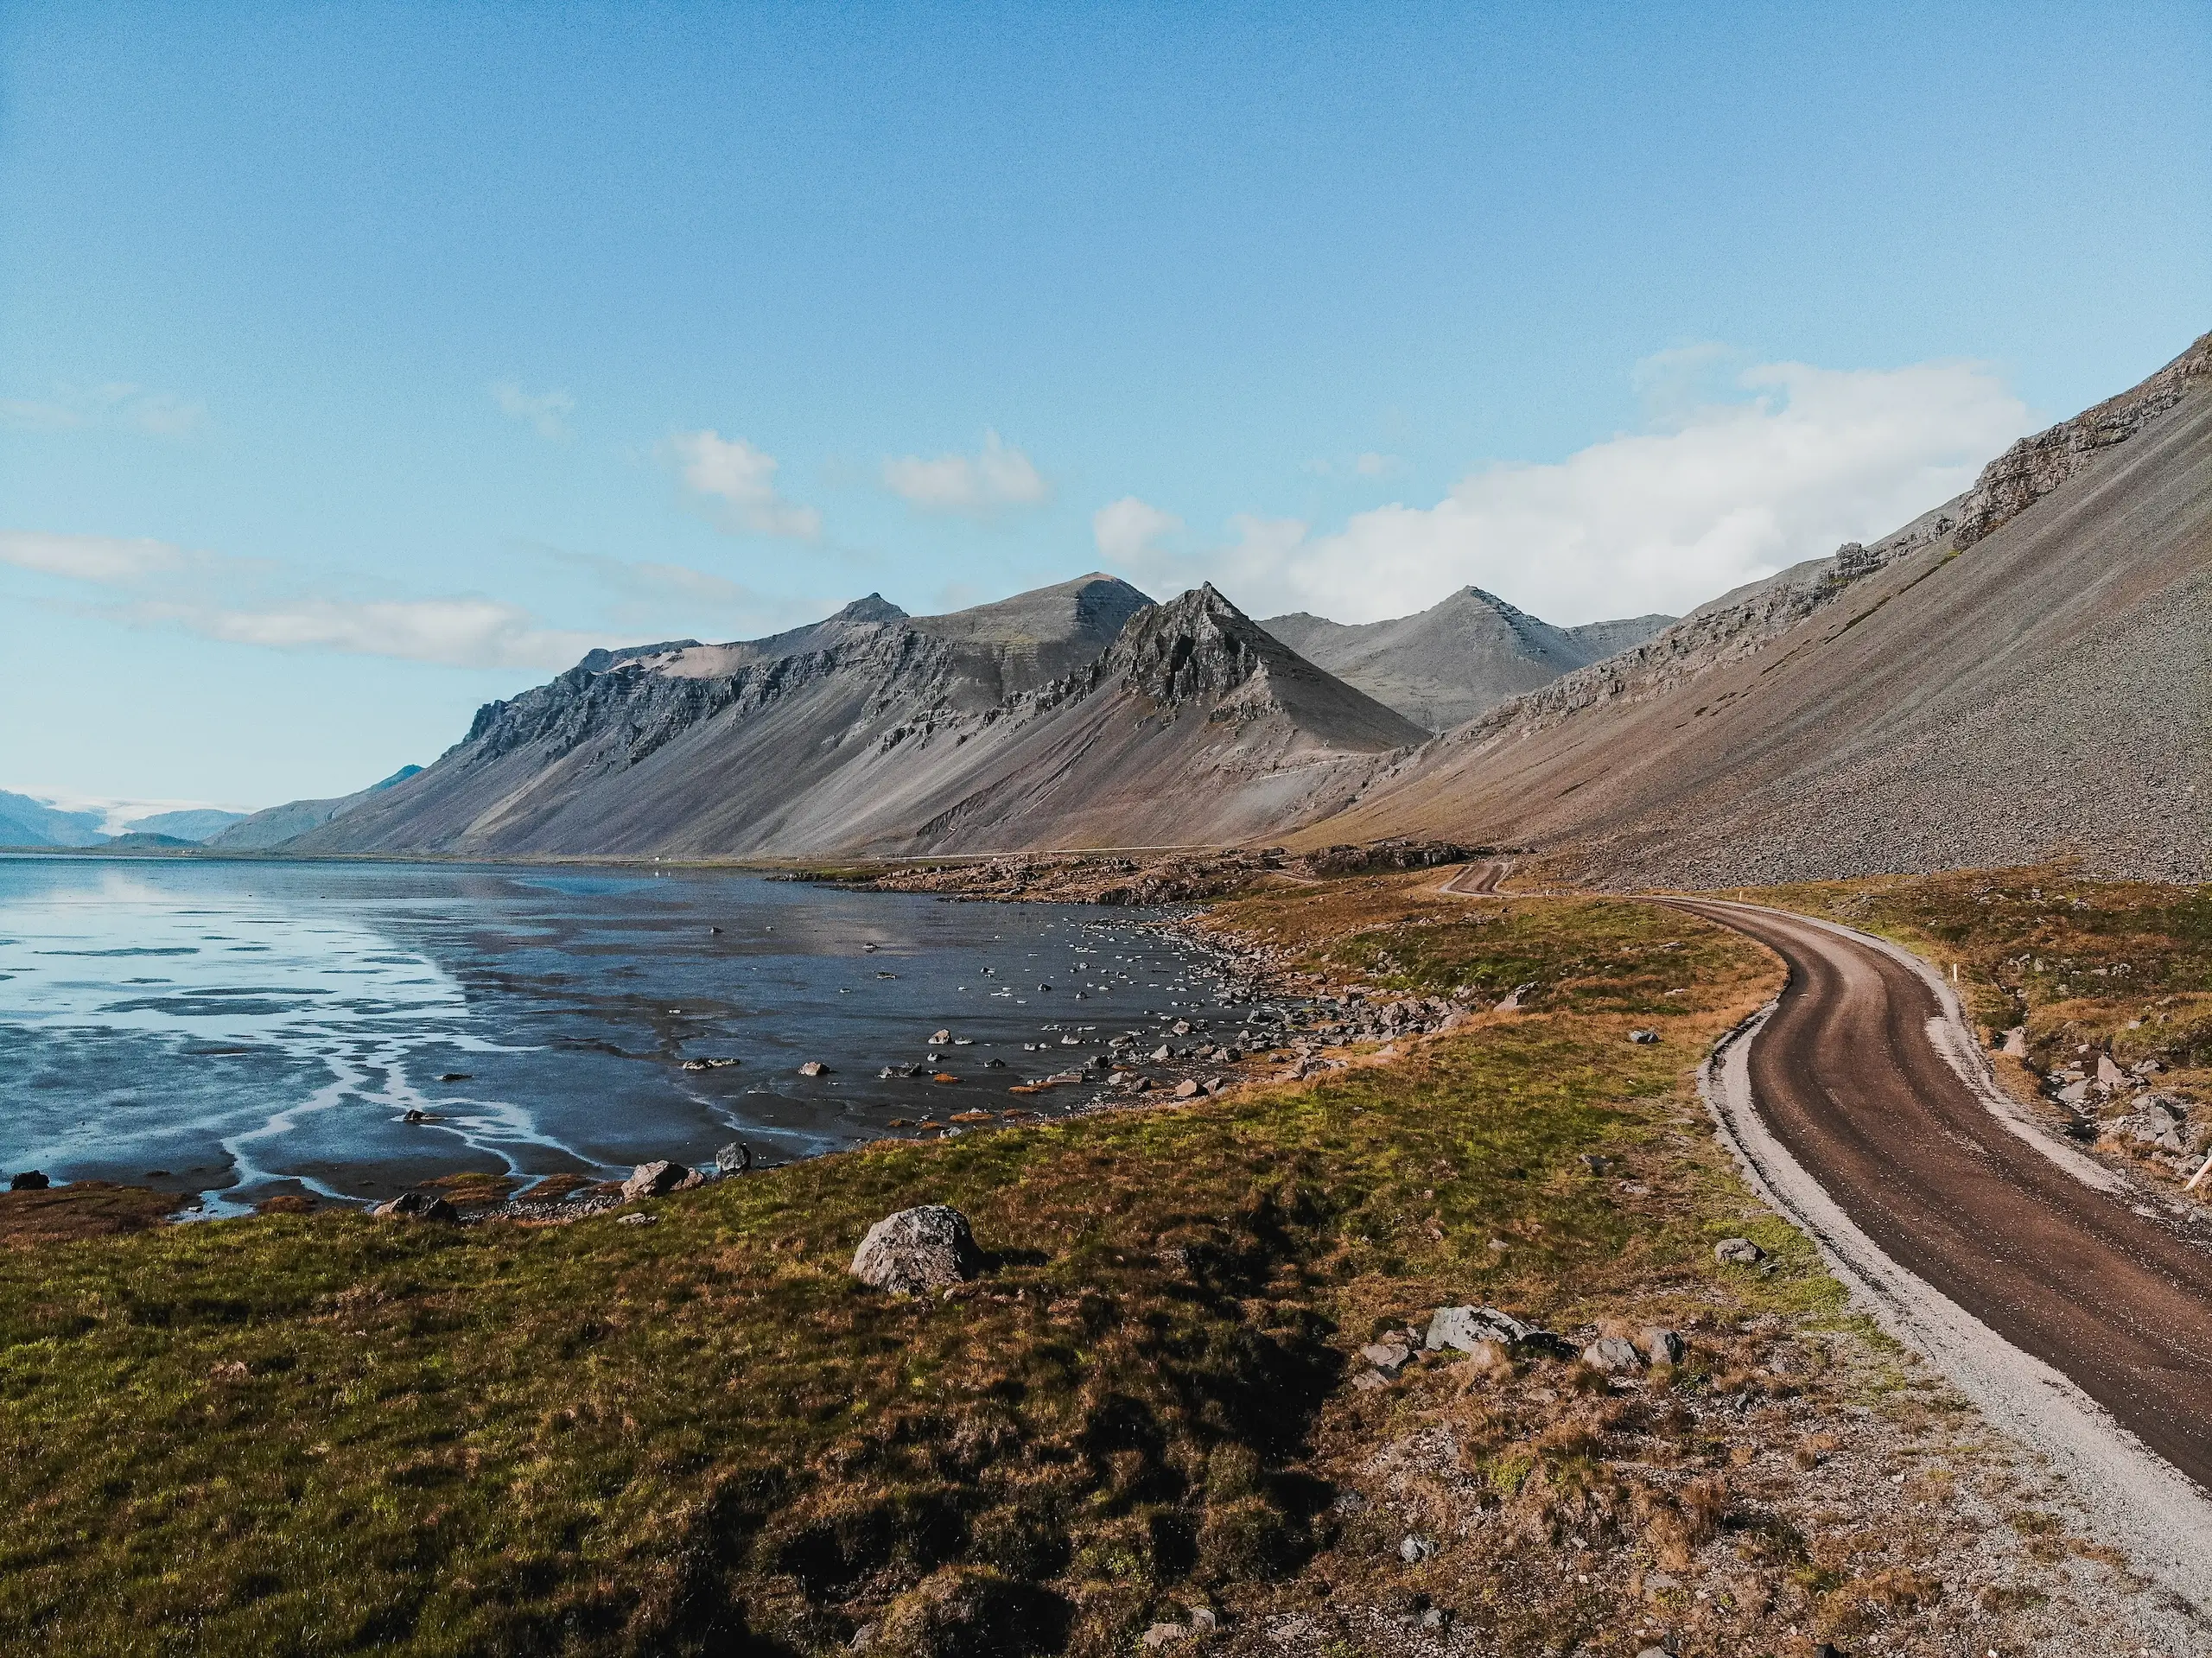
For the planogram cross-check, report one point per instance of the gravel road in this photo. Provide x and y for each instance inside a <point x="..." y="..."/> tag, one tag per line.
<point x="2073" y="1306"/>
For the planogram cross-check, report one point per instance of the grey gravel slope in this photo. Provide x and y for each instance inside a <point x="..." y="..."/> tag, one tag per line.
<point x="1899" y="707"/>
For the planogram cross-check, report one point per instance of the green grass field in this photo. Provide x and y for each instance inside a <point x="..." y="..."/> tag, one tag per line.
<point x="325" y="1433"/>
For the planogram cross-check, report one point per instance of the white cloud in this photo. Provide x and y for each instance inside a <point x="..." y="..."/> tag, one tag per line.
<point x="116" y="406"/>
<point x="546" y="412"/>
<point x="738" y="484"/>
<point x="462" y="632"/>
<point x="999" y="476"/>
<point x="161" y="585"/>
<point x="1662" y="520"/>
<point x="1128" y="531"/>
<point x="109" y="560"/>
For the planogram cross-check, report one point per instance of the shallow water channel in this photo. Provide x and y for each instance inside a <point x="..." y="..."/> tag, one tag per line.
<point x="236" y="1029"/>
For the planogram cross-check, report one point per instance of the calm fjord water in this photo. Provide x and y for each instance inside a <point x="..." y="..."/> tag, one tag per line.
<point x="238" y="1029"/>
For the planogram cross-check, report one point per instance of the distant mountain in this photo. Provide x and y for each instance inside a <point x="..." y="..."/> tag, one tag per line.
<point x="147" y="839"/>
<point x="199" y="824"/>
<point x="1458" y="659"/>
<point x="26" y="821"/>
<point x="2019" y="674"/>
<point x="274" y="825"/>
<point x="1080" y="714"/>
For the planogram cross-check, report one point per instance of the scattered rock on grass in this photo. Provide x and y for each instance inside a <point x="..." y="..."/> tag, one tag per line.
<point x="1737" y="1252"/>
<point x="1614" y="1354"/>
<point x="1663" y="1346"/>
<point x="414" y="1206"/>
<point x="926" y="1248"/>
<point x="1413" y="1549"/>
<point x="1468" y="1328"/>
<point x="733" y="1158"/>
<point x="1388" y="1357"/>
<point x="1644" y="1036"/>
<point x="657" y="1179"/>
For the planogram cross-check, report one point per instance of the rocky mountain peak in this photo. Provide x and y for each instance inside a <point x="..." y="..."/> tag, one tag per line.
<point x="1195" y="646"/>
<point x="874" y="608"/>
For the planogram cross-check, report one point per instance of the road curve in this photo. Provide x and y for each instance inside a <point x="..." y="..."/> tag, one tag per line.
<point x="1476" y="879"/>
<point x="2056" y="1254"/>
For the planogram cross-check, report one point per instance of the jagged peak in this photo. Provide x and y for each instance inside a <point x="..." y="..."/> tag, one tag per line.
<point x="1197" y="643"/>
<point x="874" y="608"/>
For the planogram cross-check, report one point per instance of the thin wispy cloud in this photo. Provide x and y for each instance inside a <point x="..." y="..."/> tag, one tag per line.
<point x="545" y="413"/>
<point x="157" y="584"/>
<point x="456" y="633"/>
<point x="116" y="406"/>
<point x="1369" y="463"/>
<point x="736" y="484"/>
<point x="110" y="560"/>
<point x="1798" y="461"/>
<point x="664" y="601"/>
<point x="997" y="477"/>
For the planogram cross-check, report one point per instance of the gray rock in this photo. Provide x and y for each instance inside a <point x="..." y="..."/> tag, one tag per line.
<point x="926" y="1248"/>
<point x="1388" y="1357"/>
<point x="2015" y="1043"/>
<point x="637" y="1218"/>
<point x="1413" y="1549"/>
<point x="1614" y="1354"/>
<point x="1661" y="1345"/>
<point x="736" y="1158"/>
<point x="655" y="1179"/>
<point x="1467" y="1328"/>
<point x="814" y="1067"/>
<point x="1737" y="1252"/>
<point x="414" y="1206"/>
<point x="1644" y="1036"/>
<point x="1163" y="1635"/>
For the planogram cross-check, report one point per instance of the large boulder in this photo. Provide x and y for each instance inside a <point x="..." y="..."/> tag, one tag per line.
<point x="415" y="1206"/>
<point x="1468" y="1328"/>
<point x="926" y="1248"/>
<point x="657" y="1179"/>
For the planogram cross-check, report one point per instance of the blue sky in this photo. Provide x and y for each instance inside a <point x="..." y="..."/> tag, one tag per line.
<point x="359" y="364"/>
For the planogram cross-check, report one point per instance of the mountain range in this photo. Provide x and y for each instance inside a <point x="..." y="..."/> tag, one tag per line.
<point x="1457" y="659"/>
<point x="2019" y="672"/>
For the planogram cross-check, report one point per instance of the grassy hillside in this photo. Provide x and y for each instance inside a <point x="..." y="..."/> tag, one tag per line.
<point x="323" y="1432"/>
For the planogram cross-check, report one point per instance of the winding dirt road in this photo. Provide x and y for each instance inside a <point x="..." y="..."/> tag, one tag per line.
<point x="1862" y="1076"/>
<point x="1476" y="879"/>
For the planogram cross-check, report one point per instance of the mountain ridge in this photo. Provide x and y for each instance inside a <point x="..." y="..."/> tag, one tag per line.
<point x="1460" y="657"/>
<point x="871" y="731"/>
